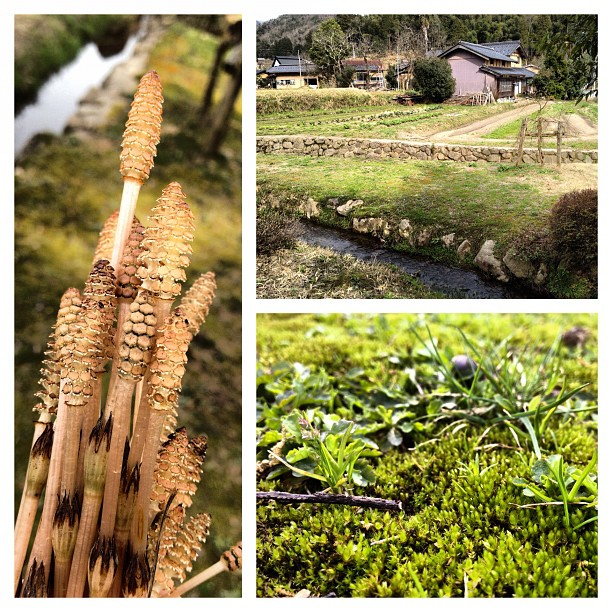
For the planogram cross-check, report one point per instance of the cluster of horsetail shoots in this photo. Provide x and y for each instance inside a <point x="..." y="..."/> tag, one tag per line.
<point x="115" y="475"/>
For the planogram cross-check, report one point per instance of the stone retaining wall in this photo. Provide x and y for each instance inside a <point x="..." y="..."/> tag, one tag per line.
<point x="333" y="146"/>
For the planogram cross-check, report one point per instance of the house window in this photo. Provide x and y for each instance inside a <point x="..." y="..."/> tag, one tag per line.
<point x="505" y="86"/>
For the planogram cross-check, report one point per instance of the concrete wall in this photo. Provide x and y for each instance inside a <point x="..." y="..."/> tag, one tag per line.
<point x="332" y="146"/>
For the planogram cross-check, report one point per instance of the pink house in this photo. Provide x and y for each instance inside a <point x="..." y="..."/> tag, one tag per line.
<point x="494" y="67"/>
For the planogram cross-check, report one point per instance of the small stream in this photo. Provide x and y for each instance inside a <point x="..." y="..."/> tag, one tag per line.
<point x="59" y="97"/>
<point x="453" y="282"/>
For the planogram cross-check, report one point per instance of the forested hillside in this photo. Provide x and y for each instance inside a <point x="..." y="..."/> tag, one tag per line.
<point x="385" y="34"/>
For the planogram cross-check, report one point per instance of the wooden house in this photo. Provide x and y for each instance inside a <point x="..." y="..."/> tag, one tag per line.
<point x="495" y="67"/>
<point x="367" y="75"/>
<point x="291" y="72"/>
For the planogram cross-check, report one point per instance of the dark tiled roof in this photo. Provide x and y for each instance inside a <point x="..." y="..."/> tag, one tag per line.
<point x="505" y="47"/>
<point x="288" y="60"/>
<point x="520" y="72"/>
<point x="305" y="69"/>
<point x="480" y="50"/>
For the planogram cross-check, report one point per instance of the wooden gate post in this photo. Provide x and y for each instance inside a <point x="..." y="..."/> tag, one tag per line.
<point x="540" y="155"/>
<point x="559" y="138"/>
<point x="523" y="132"/>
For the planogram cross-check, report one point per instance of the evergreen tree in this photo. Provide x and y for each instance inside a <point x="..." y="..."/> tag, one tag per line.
<point x="433" y="77"/>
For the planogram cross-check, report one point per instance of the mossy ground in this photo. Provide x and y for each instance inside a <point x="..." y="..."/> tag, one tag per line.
<point x="461" y="531"/>
<point x="64" y="191"/>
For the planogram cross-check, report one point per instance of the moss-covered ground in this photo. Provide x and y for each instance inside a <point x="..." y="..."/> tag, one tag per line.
<point x="65" y="189"/>
<point x="450" y="456"/>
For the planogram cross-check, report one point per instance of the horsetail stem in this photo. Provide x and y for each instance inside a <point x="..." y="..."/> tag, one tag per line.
<point x="165" y="253"/>
<point x="133" y="355"/>
<point x="230" y="561"/>
<point x="36" y="478"/>
<point x="165" y="380"/>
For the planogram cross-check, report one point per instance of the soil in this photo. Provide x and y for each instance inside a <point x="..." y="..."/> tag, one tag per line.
<point x="570" y="177"/>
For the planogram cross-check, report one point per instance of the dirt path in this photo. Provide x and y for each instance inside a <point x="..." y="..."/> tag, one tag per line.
<point x="484" y="126"/>
<point x="577" y="127"/>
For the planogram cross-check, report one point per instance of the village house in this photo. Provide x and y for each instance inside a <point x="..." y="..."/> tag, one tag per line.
<point x="291" y="72"/>
<point x="495" y="67"/>
<point x="367" y="75"/>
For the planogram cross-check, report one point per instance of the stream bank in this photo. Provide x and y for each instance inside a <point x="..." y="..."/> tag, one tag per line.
<point x="453" y="282"/>
<point x="469" y="270"/>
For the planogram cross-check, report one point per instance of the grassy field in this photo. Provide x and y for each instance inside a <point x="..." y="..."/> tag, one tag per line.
<point x="466" y="528"/>
<point x="363" y="115"/>
<point x="356" y="119"/>
<point x="271" y="101"/>
<point x="64" y="191"/>
<point x="477" y="201"/>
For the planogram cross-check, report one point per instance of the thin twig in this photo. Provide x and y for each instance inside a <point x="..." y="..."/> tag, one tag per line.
<point x="329" y="498"/>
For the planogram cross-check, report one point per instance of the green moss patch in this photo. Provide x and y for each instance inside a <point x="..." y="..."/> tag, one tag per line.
<point x="466" y="528"/>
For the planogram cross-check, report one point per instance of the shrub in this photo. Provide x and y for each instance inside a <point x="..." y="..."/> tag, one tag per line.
<point x="573" y="230"/>
<point x="433" y="77"/>
<point x="275" y="231"/>
<point x="345" y="77"/>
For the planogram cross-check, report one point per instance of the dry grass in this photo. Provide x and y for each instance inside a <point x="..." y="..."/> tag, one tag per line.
<point x="276" y="101"/>
<point x="310" y="272"/>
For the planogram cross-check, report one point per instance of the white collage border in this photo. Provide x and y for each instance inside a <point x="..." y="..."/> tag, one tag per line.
<point x="251" y="12"/>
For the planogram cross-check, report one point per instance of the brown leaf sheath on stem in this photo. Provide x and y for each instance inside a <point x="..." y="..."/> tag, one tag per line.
<point x="95" y="464"/>
<point x="64" y="535"/>
<point x="139" y="147"/>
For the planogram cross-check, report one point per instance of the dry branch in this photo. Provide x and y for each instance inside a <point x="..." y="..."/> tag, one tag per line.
<point x="330" y="498"/>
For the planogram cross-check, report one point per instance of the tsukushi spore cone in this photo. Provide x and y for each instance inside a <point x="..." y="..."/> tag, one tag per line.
<point x="138" y="149"/>
<point x="117" y="482"/>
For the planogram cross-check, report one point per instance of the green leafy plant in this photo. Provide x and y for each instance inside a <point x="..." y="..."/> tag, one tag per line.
<point x="521" y="390"/>
<point x="558" y="483"/>
<point x="334" y="457"/>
